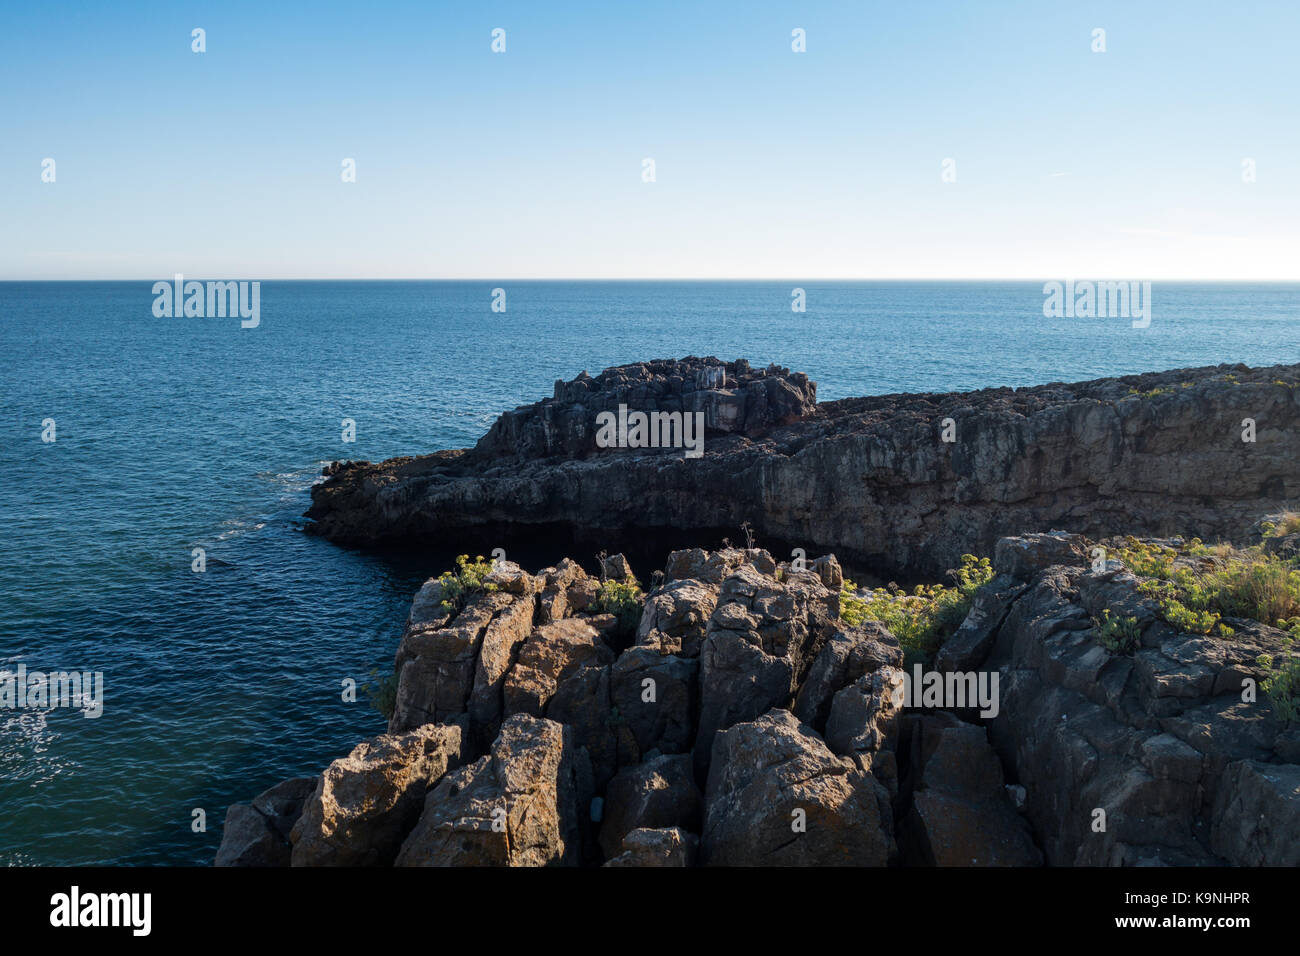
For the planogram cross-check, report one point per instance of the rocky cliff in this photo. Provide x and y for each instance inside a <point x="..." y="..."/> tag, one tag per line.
<point x="899" y="484"/>
<point x="737" y="718"/>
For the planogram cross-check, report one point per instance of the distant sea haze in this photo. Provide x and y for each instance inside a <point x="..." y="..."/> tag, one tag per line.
<point x="179" y="433"/>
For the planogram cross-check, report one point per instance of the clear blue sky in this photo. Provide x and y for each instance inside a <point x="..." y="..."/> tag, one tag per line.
<point x="770" y="164"/>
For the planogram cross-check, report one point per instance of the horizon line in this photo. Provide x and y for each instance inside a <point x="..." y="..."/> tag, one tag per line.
<point x="782" y="279"/>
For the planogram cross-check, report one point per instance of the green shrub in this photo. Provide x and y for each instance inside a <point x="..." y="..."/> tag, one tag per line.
<point x="467" y="579"/>
<point x="923" y="619"/>
<point x="382" y="693"/>
<point x="1261" y="587"/>
<point x="1287" y="523"/>
<point x="1282" y="678"/>
<point x="624" y="600"/>
<point x="1119" y="635"/>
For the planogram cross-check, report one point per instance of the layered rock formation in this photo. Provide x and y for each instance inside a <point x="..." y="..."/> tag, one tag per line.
<point x="748" y="724"/>
<point x="875" y="480"/>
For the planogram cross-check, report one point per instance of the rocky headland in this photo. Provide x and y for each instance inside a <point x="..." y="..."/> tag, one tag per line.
<point x="1106" y="693"/>
<point x="900" y="484"/>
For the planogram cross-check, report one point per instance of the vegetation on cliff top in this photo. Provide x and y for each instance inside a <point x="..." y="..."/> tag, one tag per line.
<point x="924" y="618"/>
<point x="1195" y="587"/>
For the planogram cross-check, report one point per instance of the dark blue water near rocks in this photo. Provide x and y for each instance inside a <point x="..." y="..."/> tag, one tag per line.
<point x="174" y="434"/>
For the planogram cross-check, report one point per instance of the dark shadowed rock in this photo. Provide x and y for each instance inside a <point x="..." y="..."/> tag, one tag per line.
<point x="864" y="716"/>
<point x="961" y="812"/>
<point x="667" y="847"/>
<point x="655" y="700"/>
<point x="866" y="478"/>
<point x="1257" y="815"/>
<point x="257" y="833"/>
<point x="848" y="654"/>
<point x="660" y="793"/>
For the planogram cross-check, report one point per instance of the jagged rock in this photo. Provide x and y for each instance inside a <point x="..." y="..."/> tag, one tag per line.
<point x="436" y="664"/>
<point x="866" y="478"/>
<point x="582" y="701"/>
<point x="676" y="616"/>
<point x="970" y="645"/>
<point x="761" y="639"/>
<point x="848" y="654"/>
<point x="732" y="396"/>
<point x="566" y="589"/>
<point x="257" y="833"/>
<point x="667" y="847"/>
<point x="497" y="652"/>
<point x="524" y="804"/>
<point x="828" y="569"/>
<point x="366" y="802"/>
<point x="655" y="699"/>
<point x="428" y="606"/>
<point x="546" y="657"/>
<point x="714" y="567"/>
<point x="961" y="813"/>
<point x="1023" y="557"/>
<point x="864" y="716"/>
<point x="616" y="568"/>
<point x="660" y="793"/>
<point x="763" y="773"/>
<point x="1148" y="739"/>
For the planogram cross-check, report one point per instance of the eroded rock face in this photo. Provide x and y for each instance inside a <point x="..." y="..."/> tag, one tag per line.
<point x="866" y="478"/>
<point x="773" y="776"/>
<point x="762" y="637"/>
<point x="744" y="680"/>
<point x="437" y="661"/>
<point x="524" y="804"/>
<point x="847" y="655"/>
<point x="1161" y="742"/>
<point x="660" y="793"/>
<point x="257" y="833"/>
<point x="366" y="802"/>
<point x="962" y="814"/>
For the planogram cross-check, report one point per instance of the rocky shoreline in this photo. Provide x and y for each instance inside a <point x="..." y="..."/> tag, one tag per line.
<point x="740" y="709"/>
<point x="874" y="480"/>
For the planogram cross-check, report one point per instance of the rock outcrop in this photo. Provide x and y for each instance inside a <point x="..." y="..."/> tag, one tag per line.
<point x="365" y="803"/>
<point x="524" y="804"/>
<point x="870" y="479"/>
<point x="257" y="833"/>
<point x="750" y="724"/>
<point x="1168" y="755"/>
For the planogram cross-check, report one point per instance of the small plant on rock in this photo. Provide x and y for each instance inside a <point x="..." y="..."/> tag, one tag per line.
<point x="923" y="619"/>
<point x="624" y="600"/>
<point x="468" y="578"/>
<point x="1282" y="677"/>
<point x="1119" y="635"/>
<point x="382" y="692"/>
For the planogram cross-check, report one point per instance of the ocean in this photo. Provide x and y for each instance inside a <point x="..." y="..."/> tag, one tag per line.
<point x="172" y="434"/>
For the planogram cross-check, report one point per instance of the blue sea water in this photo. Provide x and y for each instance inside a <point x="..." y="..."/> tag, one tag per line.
<point x="178" y="433"/>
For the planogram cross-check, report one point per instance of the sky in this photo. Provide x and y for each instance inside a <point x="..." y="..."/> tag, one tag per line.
<point x="768" y="163"/>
